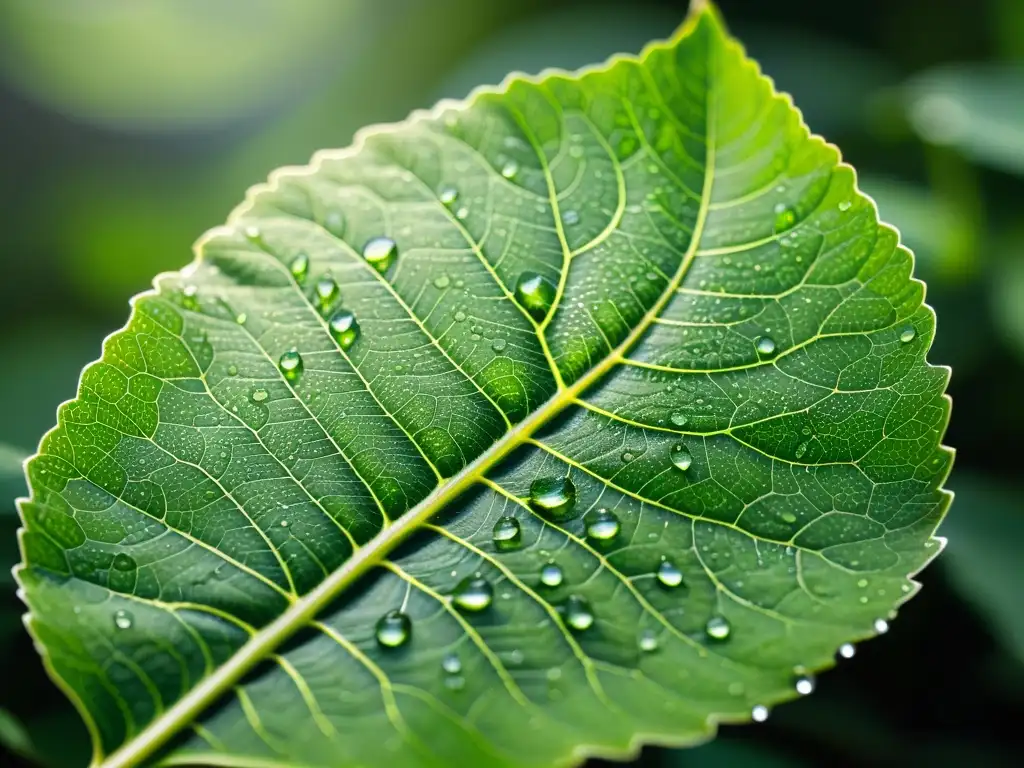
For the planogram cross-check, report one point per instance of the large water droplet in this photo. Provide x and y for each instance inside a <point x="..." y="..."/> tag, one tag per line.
<point x="451" y="664"/>
<point x="881" y="626"/>
<point x="847" y="650"/>
<point x="785" y="217"/>
<point x="510" y="169"/>
<point x="601" y="524"/>
<point x="766" y="345"/>
<point x="344" y="328"/>
<point x="290" y="364"/>
<point x="678" y="419"/>
<point x="535" y="293"/>
<point x="473" y="593"/>
<point x="845" y="205"/>
<point x="498" y="345"/>
<point x="449" y="195"/>
<point x="326" y="292"/>
<point x="718" y="628"/>
<point x="123" y="619"/>
<point x="300" y="267"/>
<point x="442" y="281"/>
<point x="123" y="562"/>
<point x="759" y="713"/>
<point x="555" y="497"/>
<point x="681" y="457"/>
<point x="393" y="629"/>
<point x="648" y="641"/>
<point x="507" y="534"/>
<point x="380" y="253"/>
<point x="907" y="334"/>
<point x="804" y="685"/>
<point x="578" y="613"/>
<point x="787" y="517"/>
<point x="259" y="395"/>
<point x="551" y="575"/>
<point x="669" y="575"/>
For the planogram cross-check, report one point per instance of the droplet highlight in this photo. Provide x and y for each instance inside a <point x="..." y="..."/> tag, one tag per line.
<point x="451" y="664"/>
<point x="123" y="619"/>
<point x="907" y="334"/>
<point x="551" y="575"/>
<point x="759" y="713"/>
<point x="510" y="169"/>
<point x="678" y="419"/>
<point x="804" y="685"/>
<point x="765" y="346"/>
<point x="648" y="641"/>
<point x="847" y="650"/>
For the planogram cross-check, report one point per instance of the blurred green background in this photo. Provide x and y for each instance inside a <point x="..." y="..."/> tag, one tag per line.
<point x="129" y="127"/>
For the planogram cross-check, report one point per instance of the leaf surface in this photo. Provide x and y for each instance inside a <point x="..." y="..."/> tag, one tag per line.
<point x="591" y="411"/>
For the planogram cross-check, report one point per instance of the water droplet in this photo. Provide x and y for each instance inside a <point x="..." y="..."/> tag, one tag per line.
<point x="460" y="316"/>
<point x="759" y="713"/>
<point x="123" y="619"/>
<point x="578" y="613"/>
<point x="555" y="497"/>
<point x="188" y="297"/>
<point x="253" y="234"/>
<point x="462" y="213"/>
<point x="473" y="593"/>
<point x="241" y="318"/>
<point x="290" y="364"/>
<point x="344" y="328"/>
<point x="648" y="641"/>
<point x="601" y="524"/>
<point x="669" y="575"/>
<point x="535" y="293"/>
<point x="627" y="456"/>
<point x="681" y="457"/>
<point x="393" y="629"/>
<point x="498" y="345"/>
<point x="788" y="517"/>
<point x="804" y="685"/>
<point x="232" y="370"/>
<point x="300" y="267"/>
<point x="571" y="217"/>
<point x="847" y="650"/>
<point x="123" y="562"/>
<point x="449" y="195"/>
<point x="766" y="345"/>
<point x="718" y="628"/>
<point x="507" y="534"/>
<point x="845" y="205"/>
<point x="334" y="222"/>
<point x="907" y="334"/>
<point x="380" y="253"/>
<point x="678" y="419"/>
<point x="881" y="626"/>
<point x="510" y="169"/>
<point x="326" y="292"/>
<point x="551" y="575"/>
<point x="451" y="664"/>
<point x="442" y="282"/>
<point x="785" y="217"/>
<point x="259" y="395"/>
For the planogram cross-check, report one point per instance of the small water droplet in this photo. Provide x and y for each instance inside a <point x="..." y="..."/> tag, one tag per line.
<point x="123" y="562"/>
<point x="300" y="267"/>
<point x="232" y="370"/>
<point x="788" y="517"/>
<point x="785" y="217"/>
<point x="804" y="685"/>
<point x="188" y="297"/>
<point x="847" y="650"/>
<point x="571" y="217"/>
<point x="451" y="664"/>
<point x="507" y="534"/>
<point x="845" y="205"/>
<point x="498" y="345"/>
<point x="326" y="292"/>
<point x="460" y="316"/>
<point x="578" y="614"/>
<point x="669" y="575"/>
<point x="555" y="497"/>
<point x="510" y="169"/>
<point x="766" y="345"/>
<point x="718" y="628"/>
<point x="123" y="619"/>
<point x="648" y="641"/>
<point x="393" y="629"/>
<point x="449" y="195"/>
<point x="241" y="317"/>
<point x="253" y="234"/>
<point x="259" y="395"/>
<point x="881" y="626"/>
<point x="441" y="282"/>
<point x="535" y="293"/>
<point x="380" y="253"/>
<point x="907" y="334"/>
<point x="344" y="328"/>
<point x="290" y="364"/>
<point x="759" y="713"/>
<point x="473" y="593"/>
<point x="627" y="456"/>
<point x="678" y="419"/>
<point x="462" y="213"/>
<point x="601" y="524"/>
<point x="551" y="575"/>
<point x="681" y="457"/>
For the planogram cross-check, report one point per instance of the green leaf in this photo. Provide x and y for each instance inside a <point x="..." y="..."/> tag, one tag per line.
<point x="591" y="411"/>
<point x="13" y="735"/>
<point x="975" y="109"/>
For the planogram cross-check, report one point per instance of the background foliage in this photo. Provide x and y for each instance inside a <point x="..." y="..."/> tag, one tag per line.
<point x="116" y="156"/>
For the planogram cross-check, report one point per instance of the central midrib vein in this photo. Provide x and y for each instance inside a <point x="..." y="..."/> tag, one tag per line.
<point x="304" y="610"/>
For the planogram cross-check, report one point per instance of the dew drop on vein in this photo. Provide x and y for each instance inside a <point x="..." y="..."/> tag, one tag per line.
<point x="344" y="328"/>
<point x="785" y="217"/>
<point x="551" y="575"/>
<point x="507" y="534"/>
<point x="473" y="593"/>
<point x="601" y="524"/>
<point x="448" y="195"/>
<point x="578" y="613"/>
<point x="326" y="292"/>
<point x="393" y="629"/>
<point x="535" y="293"/>
<point x="380" y="253"/>
<point x="290" y="364"/>
<point x="300" y="267"/>
<point x="510" y="169"/>
<point x="678" y="419"/>
<point x="554" y="497"/>
<point x="766" y="345"/>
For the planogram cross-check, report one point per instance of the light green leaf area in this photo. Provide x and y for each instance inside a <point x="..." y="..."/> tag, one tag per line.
<point x="589" y="412"/>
